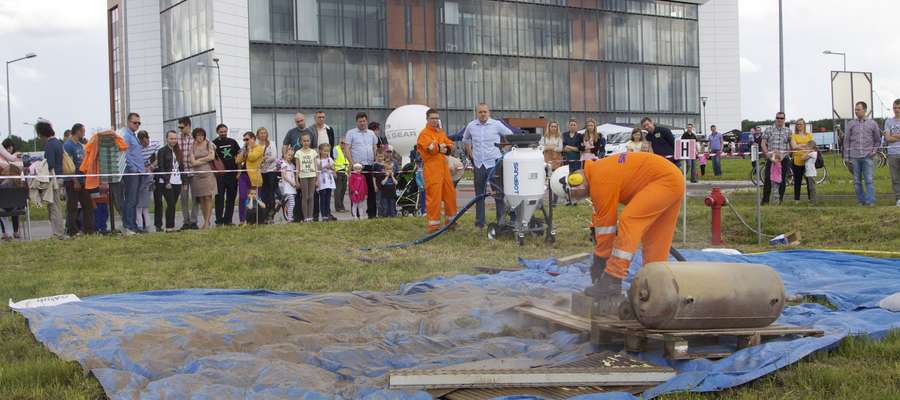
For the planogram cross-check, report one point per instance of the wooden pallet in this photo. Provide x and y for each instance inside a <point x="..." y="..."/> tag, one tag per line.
<point x="677" y="344"/>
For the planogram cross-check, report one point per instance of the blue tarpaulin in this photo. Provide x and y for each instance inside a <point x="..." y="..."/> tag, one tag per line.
<point x="257" y="344"/>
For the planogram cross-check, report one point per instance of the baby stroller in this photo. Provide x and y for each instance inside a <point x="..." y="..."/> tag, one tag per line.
<point x="408" y="200"/>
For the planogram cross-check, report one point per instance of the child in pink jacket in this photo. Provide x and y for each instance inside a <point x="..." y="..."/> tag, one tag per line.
<point x="358" y="192"/>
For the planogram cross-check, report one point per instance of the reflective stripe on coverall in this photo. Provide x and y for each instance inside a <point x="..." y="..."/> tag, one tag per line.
<point x="651" y="188"/>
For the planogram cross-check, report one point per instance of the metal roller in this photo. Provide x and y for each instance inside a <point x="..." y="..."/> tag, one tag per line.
<point x="706" y="295"/>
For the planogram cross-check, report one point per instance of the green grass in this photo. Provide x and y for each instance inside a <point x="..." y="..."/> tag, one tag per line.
<point x="324" y="257"/>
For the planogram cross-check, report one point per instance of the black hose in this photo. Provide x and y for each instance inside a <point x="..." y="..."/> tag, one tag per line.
<point x="675" y="253"/>
<point x="431" y="235"/>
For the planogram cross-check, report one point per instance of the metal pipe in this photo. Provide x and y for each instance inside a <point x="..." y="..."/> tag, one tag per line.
<point x="8" y="108"/>
<point x="781" y="56"/>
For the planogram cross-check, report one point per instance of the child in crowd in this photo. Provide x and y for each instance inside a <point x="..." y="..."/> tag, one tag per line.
<point x="307" y="162"/>
<point x="702" y="158"/>
<point x="326" y="182"/>
<point x="288" y="185"/>
<point x="811" y="156"/>
<point x="12" y="222"/>
<point x="420" y="183"/>
<point x="387" y="188"/>
<point x="378" y="169"/>
<point x="775" y="169"/>
<point x="100" y="198"/>
<point x="358" y="192"/>
<point x="255" y="209"/>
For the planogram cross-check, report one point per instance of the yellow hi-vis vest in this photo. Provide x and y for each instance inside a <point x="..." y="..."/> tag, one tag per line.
<point x="340" y="162"/>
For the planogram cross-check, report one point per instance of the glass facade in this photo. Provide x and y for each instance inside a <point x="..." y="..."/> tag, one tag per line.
<point x="613" y="60"/>
<point x="188" y="80"/>
<point x="115" y="66"/>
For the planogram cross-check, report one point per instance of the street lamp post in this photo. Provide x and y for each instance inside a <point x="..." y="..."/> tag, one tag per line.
<point x="8" y="108"/>
<point x="780" y="57"/>
<point x="703" y="100"/>
<point x="835" y="53"/>
<point x="219" y="79"/>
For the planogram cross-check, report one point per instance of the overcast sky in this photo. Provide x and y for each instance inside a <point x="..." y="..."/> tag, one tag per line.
<point x="68" y="81"/>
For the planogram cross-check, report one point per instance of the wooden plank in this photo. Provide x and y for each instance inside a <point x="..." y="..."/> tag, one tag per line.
<point x="573" y="259"/>
<point x="541" y="377"/>
<point x="495" y="270"/>
<point x="556" y="317"/>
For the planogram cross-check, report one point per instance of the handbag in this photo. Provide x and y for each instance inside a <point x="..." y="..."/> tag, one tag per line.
<point x="820" y="163"/>
<point x="217" y="164"/>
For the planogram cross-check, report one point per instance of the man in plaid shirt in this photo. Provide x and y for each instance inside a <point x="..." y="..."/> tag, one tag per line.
<point x="186" y="145"/>
<point x="776" y="142"/>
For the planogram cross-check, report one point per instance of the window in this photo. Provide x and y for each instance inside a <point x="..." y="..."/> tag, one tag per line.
<point x="333" y="74"/>
<point x="620" y="86"/>
<point x="527" y="81"/>
<point x="186" y="30"/>
<point x="692" y="40"/>
<point x="376" y="73"/>
<point x="648" y="35"/>
<point x="508" y="35"/>
<point x="451" y="13"/>
<point x="692" y="79"/>
<point x="490" y="29"/>
<point x="307" y="20"/>
<point x="635" y="89"/>
<point x="262" y="79"/>
<point x="330" y="22"/>
<point x="287" y="77"/>
<point x="355" y="64"/>
<point x="259" y="21"/>
<point x="310" y="76"/>
<point x="559" y="94"/>
<point x="678" y="45"/>
<point x="510" y="78"/>
<point x="664" y="40"/>
<point x="354" y="23"/>
<point x="651" y="90"/>
<point x="665" y="89"/>
<point x="282" y="20"/>
<point x="375" y="24"/>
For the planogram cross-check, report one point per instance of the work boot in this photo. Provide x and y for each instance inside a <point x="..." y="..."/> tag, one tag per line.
<point x="598" y="264"/>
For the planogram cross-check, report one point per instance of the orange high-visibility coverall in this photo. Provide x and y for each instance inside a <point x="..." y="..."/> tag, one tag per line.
<point x="438" y="182"/>
<point x="651" y="188"/>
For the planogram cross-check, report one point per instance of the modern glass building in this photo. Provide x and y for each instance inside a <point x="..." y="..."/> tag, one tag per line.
<point x="612" y="60"/>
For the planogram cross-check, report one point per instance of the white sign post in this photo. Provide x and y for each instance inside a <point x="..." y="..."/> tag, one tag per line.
<point x="685" y="149"/>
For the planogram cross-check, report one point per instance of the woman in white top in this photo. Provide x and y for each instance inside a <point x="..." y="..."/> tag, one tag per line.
<point x="553" y="144"/>
<point x="269" y="166"/>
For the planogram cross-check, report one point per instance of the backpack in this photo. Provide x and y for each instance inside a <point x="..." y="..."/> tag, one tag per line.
<point x="68" y="165"/>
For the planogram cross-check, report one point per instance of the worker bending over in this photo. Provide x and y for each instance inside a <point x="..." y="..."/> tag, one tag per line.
<point x="434" y="146"/>
<point x="651" y="188"/>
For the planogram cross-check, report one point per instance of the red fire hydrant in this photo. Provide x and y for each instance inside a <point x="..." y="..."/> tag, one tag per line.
<point x="716" y="200"/>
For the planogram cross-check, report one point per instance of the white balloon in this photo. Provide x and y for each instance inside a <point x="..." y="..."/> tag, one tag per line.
<point x="403" y="126"/>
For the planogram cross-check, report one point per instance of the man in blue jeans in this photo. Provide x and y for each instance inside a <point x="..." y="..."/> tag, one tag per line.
<point x="715" y="150"/>
<point x="134" y="164"/>
<point x="481" y="138"/>
<point x="860" y="145"/>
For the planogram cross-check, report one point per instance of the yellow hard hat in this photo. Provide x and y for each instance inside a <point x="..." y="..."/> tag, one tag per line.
<point x="576" y="179"/>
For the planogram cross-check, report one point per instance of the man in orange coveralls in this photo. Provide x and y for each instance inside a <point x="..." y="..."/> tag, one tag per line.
<point x="434" y="145"/>
<point x="651" y="188"/>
